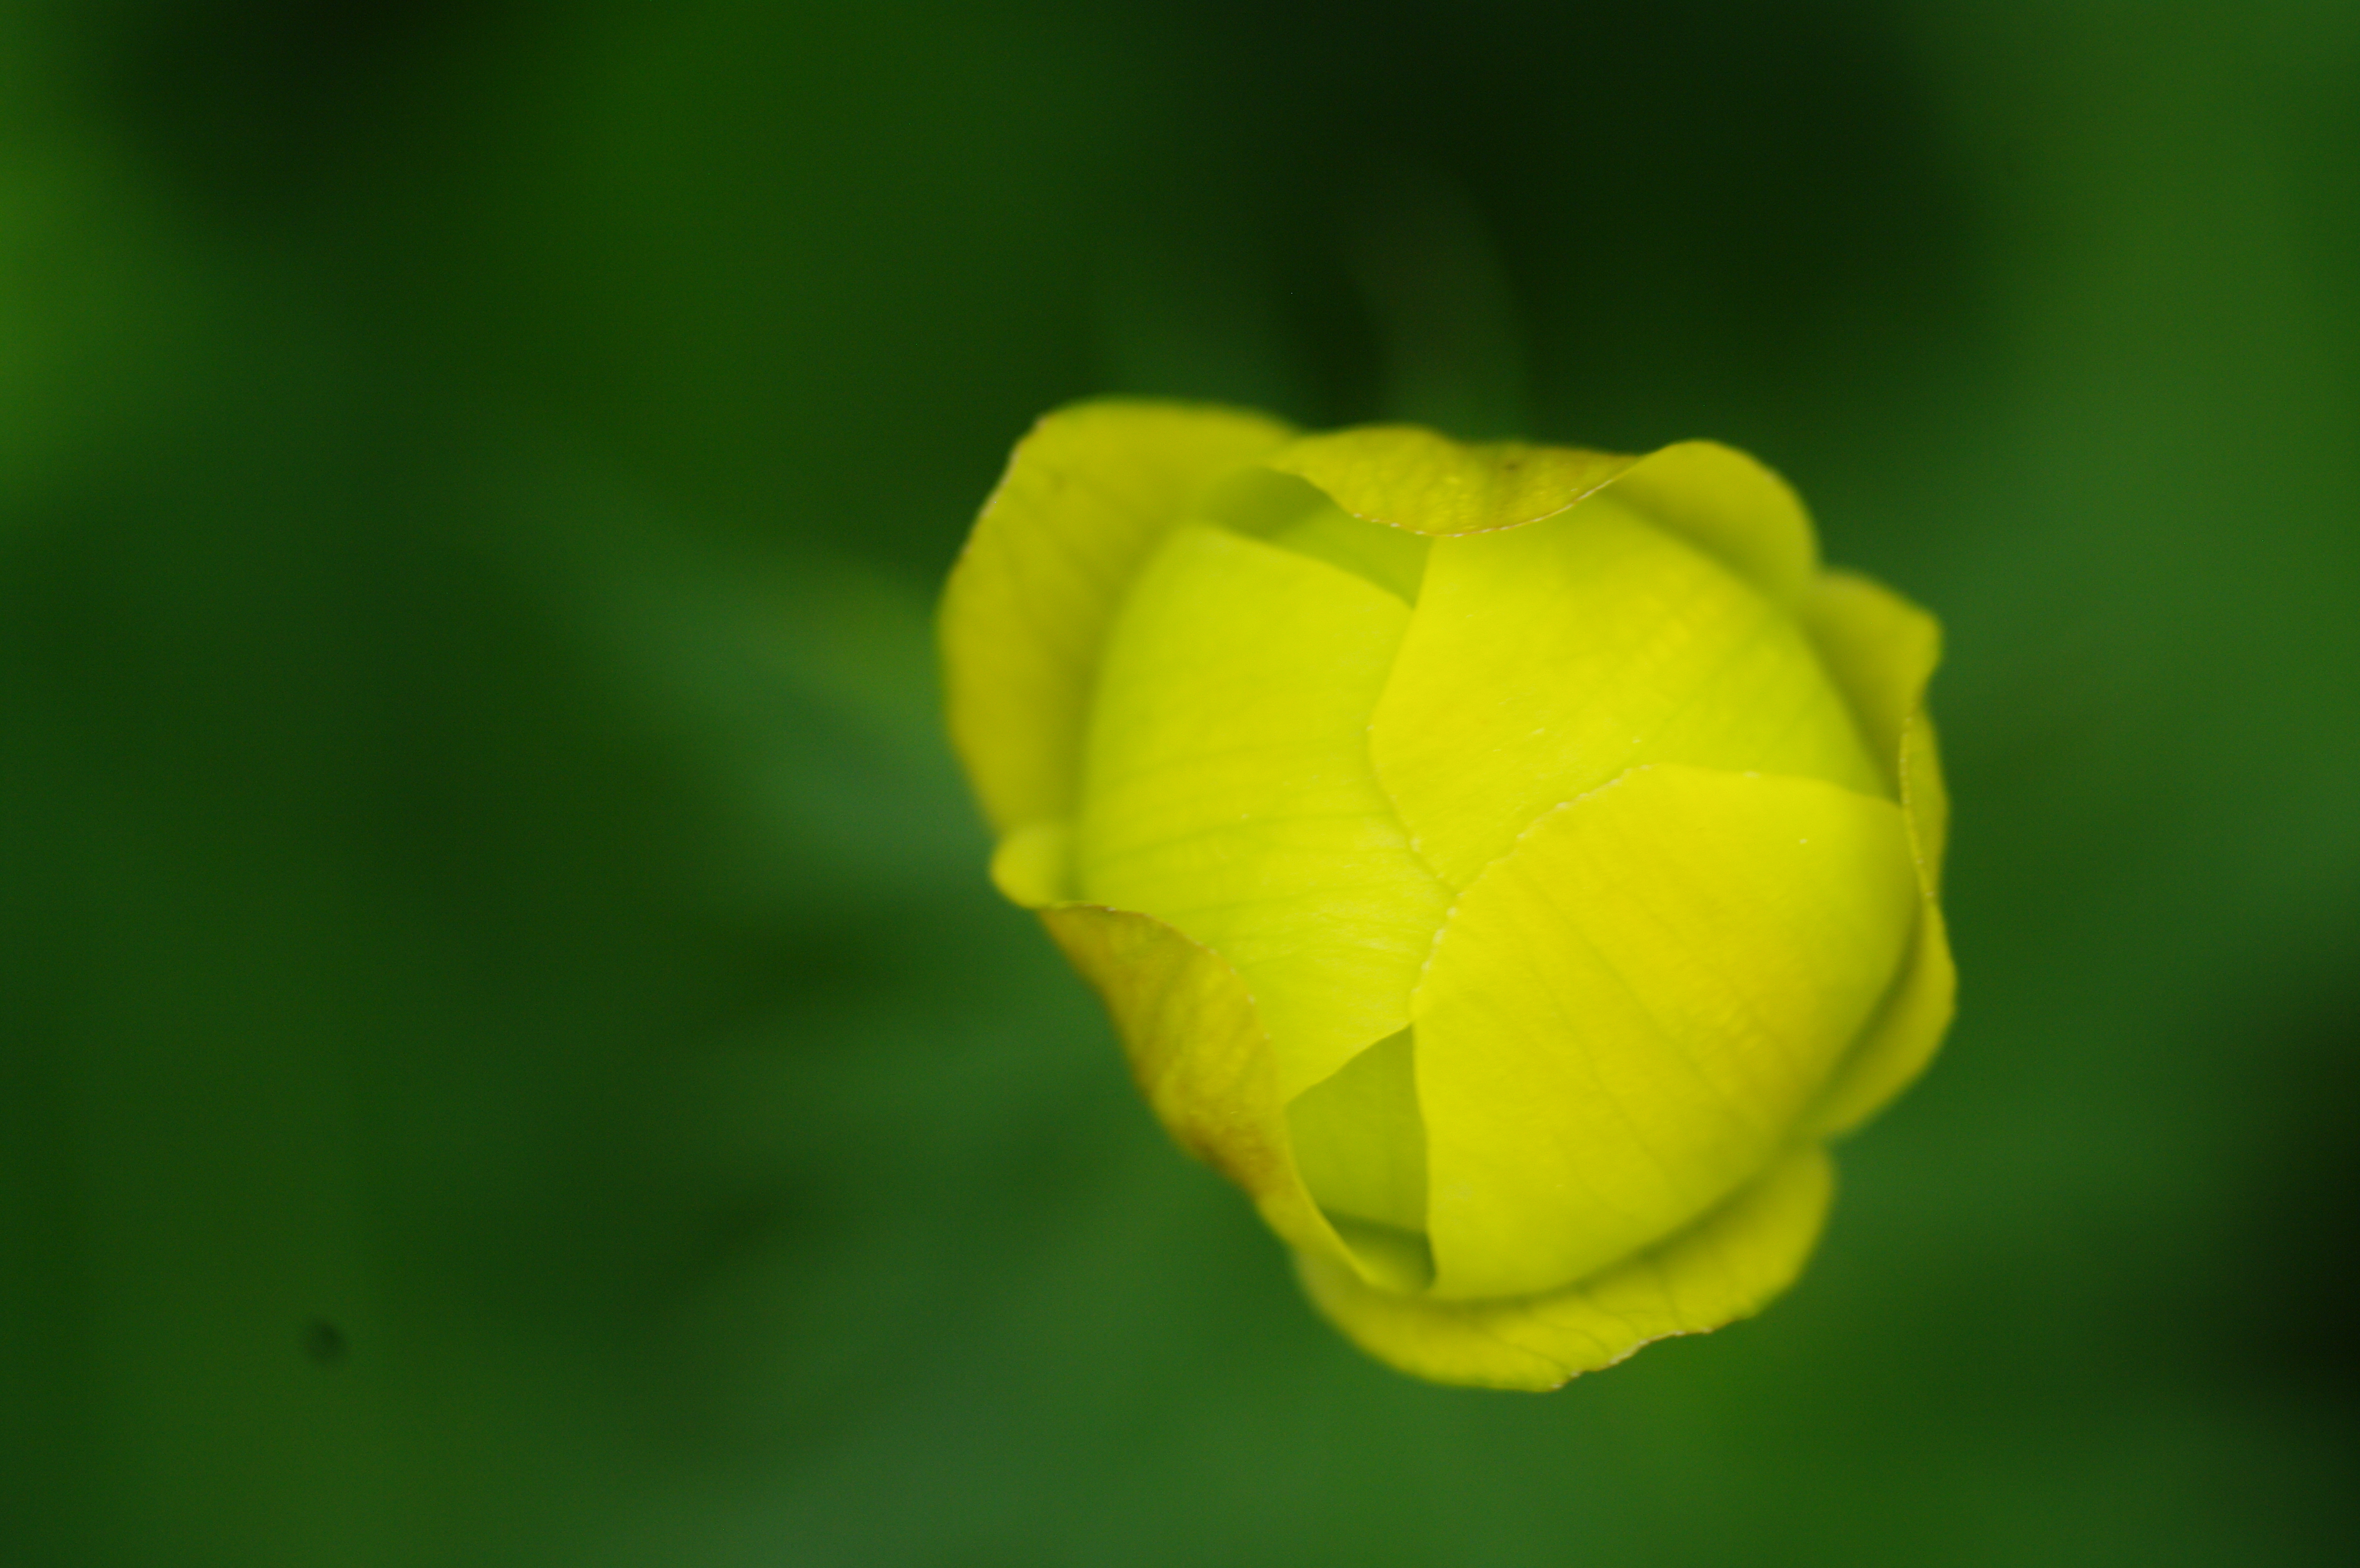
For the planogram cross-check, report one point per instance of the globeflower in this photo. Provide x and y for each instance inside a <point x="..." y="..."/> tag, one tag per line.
<point x="1510" y="864"/>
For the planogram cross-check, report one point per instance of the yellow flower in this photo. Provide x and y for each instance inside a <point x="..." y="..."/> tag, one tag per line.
<point x="1510" y="864"/>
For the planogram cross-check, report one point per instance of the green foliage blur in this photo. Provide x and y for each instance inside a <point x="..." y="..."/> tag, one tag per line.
<point x="506" y="1053"/>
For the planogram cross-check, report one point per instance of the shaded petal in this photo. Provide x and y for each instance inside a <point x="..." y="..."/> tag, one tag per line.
<point x="1627" y="1015"/>
<point x="1262" y="503"/>
<point x="1543" y="660"/>
<point x="1392" y="558"/>
<point x="1881" y="650"/>
<point x="1033" y="866"/>
<point x="1359" y="1141"/>
<point x="1411" y="477"/>
<point x="1727" y="504"/>
<point x="1086" y="496"/>
<point x="1228" y="789"/>
<point x="1726" y="1268"/>
<point x="1200" y="1056"/>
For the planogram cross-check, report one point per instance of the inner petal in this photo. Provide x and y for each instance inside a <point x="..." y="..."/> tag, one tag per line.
<point x="1227" y="789"/>
<point x="1543" y="661"/>
<point x="1393" y="558"/>
<point x="1359" y="1144"/>
<point x="1358" y="1140"/>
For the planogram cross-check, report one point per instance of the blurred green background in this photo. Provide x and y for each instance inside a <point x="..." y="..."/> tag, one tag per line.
<point x="507" y="1055"/>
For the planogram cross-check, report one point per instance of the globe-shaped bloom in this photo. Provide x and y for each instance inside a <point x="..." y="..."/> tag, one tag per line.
<point x="1510" y="864"/>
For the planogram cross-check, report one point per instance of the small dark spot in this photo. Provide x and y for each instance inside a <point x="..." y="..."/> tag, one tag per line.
<point x="323" y="1341"/>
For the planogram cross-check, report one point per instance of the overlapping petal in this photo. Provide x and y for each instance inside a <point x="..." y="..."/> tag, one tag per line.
<point x="1201" y="1057"/>
<point x="1359" y="1142"/>
<point x="1086" y="496"/>
<point x="1897" y="1047"/>
<point x="1565" y="652"/>
<point x="1627" y="1014"/>
<point x="1228" y="792"/>
<point x="1882" y="651"/>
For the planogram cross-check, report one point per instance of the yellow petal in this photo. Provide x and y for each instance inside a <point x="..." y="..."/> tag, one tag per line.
<point x="1726" y="1266"/>
<point x="1411" y="477"/>
<point x="1724" y="502"/>
<point x="1359" y="1141"/>
<point x="1086" y="496"/>
<point x="1543" y="660"/>
<point x="1227" y="790"/>
<point x="1392" y="558"/>
<point x="1262" y="503"/>
<point x="1898" y="1046"/>
<point x="1200" y="1056"/>
<point x="1627" y="1015"/>
<point x="1895" y="1049"/>
<point x="1881" y="650"/>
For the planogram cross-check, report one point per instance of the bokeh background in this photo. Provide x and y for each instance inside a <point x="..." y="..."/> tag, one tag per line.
<point x="507" y="1055"/>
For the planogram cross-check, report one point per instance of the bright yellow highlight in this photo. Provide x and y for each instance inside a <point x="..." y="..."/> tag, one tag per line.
<point x="1507" y="863"/>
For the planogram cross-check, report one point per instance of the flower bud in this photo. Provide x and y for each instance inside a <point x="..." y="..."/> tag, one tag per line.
<point x="1509" y="865"/>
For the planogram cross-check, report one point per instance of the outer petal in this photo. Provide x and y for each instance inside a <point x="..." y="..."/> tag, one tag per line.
<point x="1723" y="501"/>
<point x="1726" y="1268"/>
<point x="1903" y="1040"/>
<point x="1197" y="1049"/>
<point x="1086" y="496"/>
<point x="1543" y="660"/>
<point x="1412" y="477"/>
<point x="1627" y="1015"/>
<point x="1227" y="790"/>
<point x="1360" y="1140"/>
<point x="1882" y="649"/>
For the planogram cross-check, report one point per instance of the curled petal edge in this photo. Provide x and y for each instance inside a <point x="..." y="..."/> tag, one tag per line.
<point x="1197" y="1049"/>
<point x="1728" y="1265"/>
